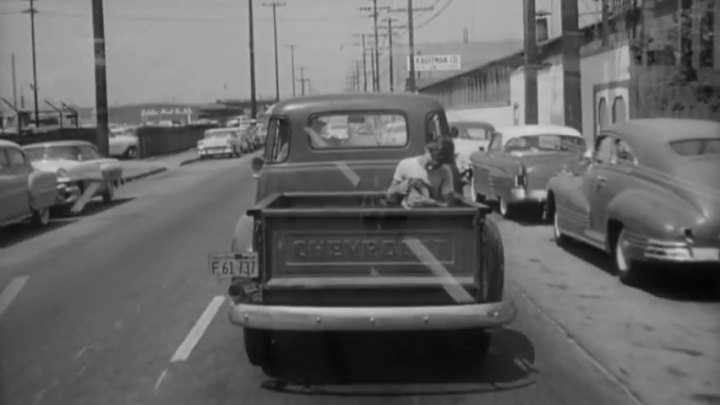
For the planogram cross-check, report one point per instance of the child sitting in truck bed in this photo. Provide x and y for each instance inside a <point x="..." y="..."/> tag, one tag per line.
<point x="421" y="179"/>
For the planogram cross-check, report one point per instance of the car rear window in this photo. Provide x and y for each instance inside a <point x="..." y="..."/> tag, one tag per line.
<point x="696" y="147"/>
<point x="357" y="130"/>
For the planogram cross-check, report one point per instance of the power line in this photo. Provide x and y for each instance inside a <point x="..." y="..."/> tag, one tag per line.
<point x="302" y="21"/>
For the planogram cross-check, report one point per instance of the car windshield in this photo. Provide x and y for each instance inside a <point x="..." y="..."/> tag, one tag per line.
<point x="52" y="152"/>
<point x="546" y="143"/>
<point x="696" y="147"/>
<point x="474" y="133"/>
<point x="357" y="130"/>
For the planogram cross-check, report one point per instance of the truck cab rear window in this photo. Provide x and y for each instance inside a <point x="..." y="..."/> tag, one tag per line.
<point x="357" y="130"/>
<point x="696" y="147"/>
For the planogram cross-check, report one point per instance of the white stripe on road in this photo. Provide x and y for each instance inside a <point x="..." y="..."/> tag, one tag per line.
<point x="160" y="379"/>
<point x="85" y="198"/>
<point x="449" y="283"/>
<point x="183" y="352"/>
<point x="11" y="292"/>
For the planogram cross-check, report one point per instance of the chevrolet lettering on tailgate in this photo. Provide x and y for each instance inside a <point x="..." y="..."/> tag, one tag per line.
<point x="361" y="249"/>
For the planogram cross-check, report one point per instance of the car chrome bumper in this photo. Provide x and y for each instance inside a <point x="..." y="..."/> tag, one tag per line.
<point x="209" y="151"/>
<point x="365" y="319"/>
<point x="521" y="195"/>
<point x="678" y="252"/>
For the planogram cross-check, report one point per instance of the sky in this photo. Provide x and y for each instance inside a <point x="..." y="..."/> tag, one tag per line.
<point x="197" y="51"/>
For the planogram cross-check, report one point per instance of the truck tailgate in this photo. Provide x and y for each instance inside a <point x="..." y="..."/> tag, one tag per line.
<point x="367" y="255"/>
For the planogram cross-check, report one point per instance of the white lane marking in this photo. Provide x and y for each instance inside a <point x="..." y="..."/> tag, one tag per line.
<point x="160" y="379"/>
<point x="449" y="283"/>
<point x="183" y="352"/>
<point x="85" y="198"/>
<point x="11" y="292"/>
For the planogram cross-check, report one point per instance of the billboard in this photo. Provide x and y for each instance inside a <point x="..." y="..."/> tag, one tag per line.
<point x="429" y="63"/>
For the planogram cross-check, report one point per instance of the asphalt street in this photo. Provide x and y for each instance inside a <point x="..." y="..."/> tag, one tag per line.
<point x="117" y="307"/>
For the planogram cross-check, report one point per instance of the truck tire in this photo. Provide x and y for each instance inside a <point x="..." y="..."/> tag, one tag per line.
<point x="259" y="350"/>
<point x="493" y="259"/>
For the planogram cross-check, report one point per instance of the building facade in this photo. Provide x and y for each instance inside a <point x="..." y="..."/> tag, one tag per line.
<point x="661" y="58"/>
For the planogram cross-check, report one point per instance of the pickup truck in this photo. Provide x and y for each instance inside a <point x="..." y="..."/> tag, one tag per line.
<point x="323" y="251"/>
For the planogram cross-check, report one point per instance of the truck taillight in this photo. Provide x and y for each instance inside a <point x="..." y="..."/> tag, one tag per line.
<point x="521" y="177"/>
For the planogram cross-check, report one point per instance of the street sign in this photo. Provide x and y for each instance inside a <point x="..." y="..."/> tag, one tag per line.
<point x="428" y="63"/>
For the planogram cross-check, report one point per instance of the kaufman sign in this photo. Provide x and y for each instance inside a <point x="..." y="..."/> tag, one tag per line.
<point x="425" y="63"/>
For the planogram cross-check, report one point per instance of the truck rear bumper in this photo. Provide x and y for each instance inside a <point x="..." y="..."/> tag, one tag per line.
<point x="365" y="319"/>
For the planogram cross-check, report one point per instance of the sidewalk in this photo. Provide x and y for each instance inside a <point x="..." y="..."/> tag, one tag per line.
<point x="138" y="169"/>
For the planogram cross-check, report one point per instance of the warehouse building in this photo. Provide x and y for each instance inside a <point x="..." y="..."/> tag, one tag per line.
<point x="677" y="75"/>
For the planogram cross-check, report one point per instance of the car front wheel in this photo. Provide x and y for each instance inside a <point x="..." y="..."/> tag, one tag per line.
<point x="625" y="267"/>
<point x="41" y="217"/>
<point x="109" y="193"/>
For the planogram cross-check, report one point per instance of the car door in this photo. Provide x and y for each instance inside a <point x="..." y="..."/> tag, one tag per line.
<point x="596" y="185"/>
<point x="20" y="170"/>
<point x="481" y="166"/>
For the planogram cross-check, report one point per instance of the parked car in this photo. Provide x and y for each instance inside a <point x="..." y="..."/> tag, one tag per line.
<point x="472" y="136"/>
<point x="124" y="142"/>
<point x="80" y="168"/>
<point x="220" y="142"/>
<point x="322" y="251"/>
<point x="650" y="193"/>
<point x="519" y="162"/>
<point x="24" y="192"/>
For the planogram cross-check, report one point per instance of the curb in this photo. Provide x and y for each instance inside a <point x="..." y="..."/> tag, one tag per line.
<point x="143" y="175"/>
<point x="189" y="161"/>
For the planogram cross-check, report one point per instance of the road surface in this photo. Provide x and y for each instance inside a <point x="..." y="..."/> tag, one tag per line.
<point x="116" y="307"/>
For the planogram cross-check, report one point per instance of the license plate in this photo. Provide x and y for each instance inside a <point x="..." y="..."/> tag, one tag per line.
<point x="229" y="265"/>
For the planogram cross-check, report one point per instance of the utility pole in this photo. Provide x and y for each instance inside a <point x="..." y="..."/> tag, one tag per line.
<point x="531" y="88"/>
<point x="411" y="39"/>
<point x="605" y="21"/>
<point x="253" y="96"/>
<point x="274" y="6"/>
<point x="101" y="102"/>
<point x="373" y="64"/>
<point x="357" y="74"/>
<point x="571" y="43"/>
<point x="14" y="81"/>
<point x="391" y="34"/>
<point x="376" y="65"/>
<point x="32" y="11"/>
<point x="364" y="53"/>
<point x="292" y="65"/>
<point x="302" y="80"/>
<point x="377" y="47"/>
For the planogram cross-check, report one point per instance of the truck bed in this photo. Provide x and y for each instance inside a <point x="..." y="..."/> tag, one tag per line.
<point x="354" y="249"/>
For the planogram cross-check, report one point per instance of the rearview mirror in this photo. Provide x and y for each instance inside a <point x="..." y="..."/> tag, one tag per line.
<point x="257" y="164"/>
<point x="454" y="132"/>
